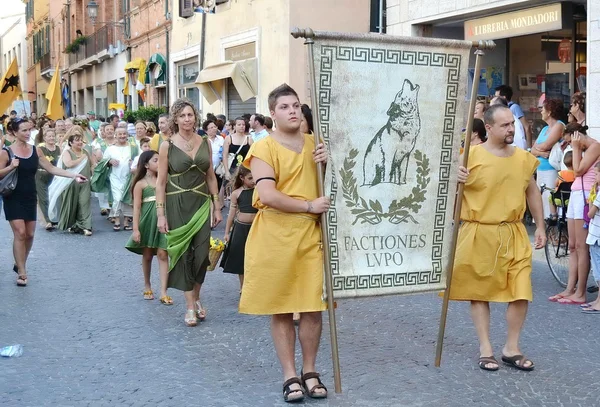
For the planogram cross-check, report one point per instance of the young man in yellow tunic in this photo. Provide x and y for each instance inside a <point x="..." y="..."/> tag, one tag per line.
<point x="493" y="253"/>
<point x="284" y="261"/>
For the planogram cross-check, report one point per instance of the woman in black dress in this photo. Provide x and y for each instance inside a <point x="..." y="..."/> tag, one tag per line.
<point x="20" y="207"/>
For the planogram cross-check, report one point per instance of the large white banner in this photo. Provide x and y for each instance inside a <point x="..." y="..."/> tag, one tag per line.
<point x="391" y="110"/>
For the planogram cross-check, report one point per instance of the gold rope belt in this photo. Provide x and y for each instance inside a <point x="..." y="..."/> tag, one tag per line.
<point x="149" y="199"/>
<point x="180" y="190"/>
<point x="510" y="236"/>
<point x="186" y="171"/>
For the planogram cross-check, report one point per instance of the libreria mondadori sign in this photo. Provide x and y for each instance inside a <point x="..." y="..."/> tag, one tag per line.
<point x="523" y="22"/>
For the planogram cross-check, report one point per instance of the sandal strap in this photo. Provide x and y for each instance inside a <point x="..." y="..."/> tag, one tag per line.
<point x="310" y="375"/>
<point x="313" y="375"/>
<point x="290" y="381"/>
<point x="287" y="389"/>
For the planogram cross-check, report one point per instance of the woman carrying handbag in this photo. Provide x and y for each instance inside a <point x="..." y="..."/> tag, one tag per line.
<point x="20" y="205"/>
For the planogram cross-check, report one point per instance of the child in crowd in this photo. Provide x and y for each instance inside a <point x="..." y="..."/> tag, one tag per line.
<point x="593" y="240"/>
<point x="563" y="186"/>
<point x="146" y="239"/>
<point x="241" y="216"/>
<point x="144" y="146"/>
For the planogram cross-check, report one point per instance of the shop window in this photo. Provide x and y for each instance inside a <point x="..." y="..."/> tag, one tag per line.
<point x="186" y="77"/>
<point x="376" y="6"/>
<point x="186" y="8"/>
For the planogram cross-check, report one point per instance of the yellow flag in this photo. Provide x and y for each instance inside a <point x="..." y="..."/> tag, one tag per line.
<point x="55" y="109"/>
<point x="10" y="86"/>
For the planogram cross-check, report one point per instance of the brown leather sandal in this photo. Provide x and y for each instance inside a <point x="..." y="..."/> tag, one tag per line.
<point x="311" y="392"/>
<point x="287" y="390"/>
<point x="488" y="360"/>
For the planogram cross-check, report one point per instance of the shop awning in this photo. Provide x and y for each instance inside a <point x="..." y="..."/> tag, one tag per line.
<point x="138" y="64"/>
<point x="116" y="106"/>
<point x="135" y="65"/>
<point x="211" y="80"/>
<point x="156" y="60"/>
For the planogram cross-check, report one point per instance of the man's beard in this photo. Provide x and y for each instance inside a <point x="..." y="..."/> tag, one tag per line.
<point x="511" y="137"/>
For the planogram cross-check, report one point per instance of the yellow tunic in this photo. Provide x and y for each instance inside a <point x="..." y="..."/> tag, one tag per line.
<point x="493" y="253"/>
<point x="283" y="271"/>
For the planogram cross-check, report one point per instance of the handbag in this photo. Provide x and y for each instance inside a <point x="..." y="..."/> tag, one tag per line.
<point x="586" y="206"/>
<point x="220" y="170"/>
<point x="9" y="182"/>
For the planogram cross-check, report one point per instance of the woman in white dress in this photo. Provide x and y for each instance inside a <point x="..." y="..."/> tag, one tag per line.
<point x="119" y="158"/>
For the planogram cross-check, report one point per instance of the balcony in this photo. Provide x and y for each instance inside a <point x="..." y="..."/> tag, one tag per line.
<point x="96" y="48"/>
<point x="45" y="65"/>
<point x="77" y="57"/>
<point x="99" y="41"/>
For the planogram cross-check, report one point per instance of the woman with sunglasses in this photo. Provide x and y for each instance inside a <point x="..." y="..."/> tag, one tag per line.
<point x="20" y="207"/>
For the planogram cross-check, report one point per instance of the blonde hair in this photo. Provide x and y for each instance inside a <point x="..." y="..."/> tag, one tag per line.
<point x="76" y="129"/>
<point x="176" y="109"/>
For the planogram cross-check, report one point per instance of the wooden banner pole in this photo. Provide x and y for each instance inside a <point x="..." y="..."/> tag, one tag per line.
<point x="308" y="35"/>
<point x="457" y="208"/>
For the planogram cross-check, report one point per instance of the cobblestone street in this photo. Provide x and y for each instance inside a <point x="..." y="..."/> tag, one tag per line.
<point x="91" y="340"/>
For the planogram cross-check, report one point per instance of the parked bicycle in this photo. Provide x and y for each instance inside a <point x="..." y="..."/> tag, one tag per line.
<point x="557" y="232"/>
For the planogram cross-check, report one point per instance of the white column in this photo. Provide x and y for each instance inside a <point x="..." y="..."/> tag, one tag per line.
<point x="593" y="68"/>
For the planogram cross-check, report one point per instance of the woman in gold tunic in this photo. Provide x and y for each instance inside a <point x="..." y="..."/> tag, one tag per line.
<point x="185" y="190"/>
<point x="283" y="260"/>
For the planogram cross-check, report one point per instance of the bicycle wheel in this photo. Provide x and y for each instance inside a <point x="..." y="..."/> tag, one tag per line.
<point x="557" y="252"/>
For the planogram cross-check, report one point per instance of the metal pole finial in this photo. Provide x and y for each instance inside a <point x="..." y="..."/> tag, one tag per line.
<point x="303" y="33"/>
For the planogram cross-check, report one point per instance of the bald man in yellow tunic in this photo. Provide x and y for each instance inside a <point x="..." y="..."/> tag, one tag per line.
<point x="493" y="253"/>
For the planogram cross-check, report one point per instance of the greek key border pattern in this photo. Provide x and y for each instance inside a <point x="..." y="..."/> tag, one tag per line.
<point x="330" y="54"/>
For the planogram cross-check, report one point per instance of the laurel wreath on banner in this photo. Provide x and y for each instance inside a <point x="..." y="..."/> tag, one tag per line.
<point x="372" y="212"/>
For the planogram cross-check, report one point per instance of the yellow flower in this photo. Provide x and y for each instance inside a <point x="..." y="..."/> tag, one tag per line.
<point x="217" y="244"/>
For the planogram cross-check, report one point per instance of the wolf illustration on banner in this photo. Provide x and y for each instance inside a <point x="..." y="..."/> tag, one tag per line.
<point x="388" y="154"/>
<point x="393" y="158"/>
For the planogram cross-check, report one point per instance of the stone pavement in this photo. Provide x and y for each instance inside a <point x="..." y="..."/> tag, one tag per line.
<point x="91" y="340"/>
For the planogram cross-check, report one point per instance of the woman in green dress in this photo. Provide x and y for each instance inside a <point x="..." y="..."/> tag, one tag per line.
<point x="185" y="190"/>
<point x="75" y="199"/>
<point x="146" y="239"/>
<point x="43" y="178"/>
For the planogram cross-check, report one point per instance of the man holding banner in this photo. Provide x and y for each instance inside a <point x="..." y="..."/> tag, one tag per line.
<point x="493" y="252"/>
<point x="284" y="259"/>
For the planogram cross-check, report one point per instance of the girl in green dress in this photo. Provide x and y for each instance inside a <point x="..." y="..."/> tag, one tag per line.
<point x="146" y="239"/>
<point x="43" y="178"/>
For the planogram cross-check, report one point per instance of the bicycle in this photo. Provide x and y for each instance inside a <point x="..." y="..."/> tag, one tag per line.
<point x="557" y="233"/>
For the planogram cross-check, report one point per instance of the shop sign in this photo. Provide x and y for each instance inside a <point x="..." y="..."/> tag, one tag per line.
<point x="523" y="22"/>
<point x="241" y="52"/>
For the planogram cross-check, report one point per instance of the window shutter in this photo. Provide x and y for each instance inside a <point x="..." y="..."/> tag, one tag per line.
<point x="47" y="39"/>
<point x="186" y="8"/>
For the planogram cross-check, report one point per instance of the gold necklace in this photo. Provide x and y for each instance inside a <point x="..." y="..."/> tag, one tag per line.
<point x="189" y="144"/>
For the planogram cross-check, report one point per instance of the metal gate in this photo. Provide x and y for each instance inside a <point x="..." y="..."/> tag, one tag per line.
<point x="235" y="106"/>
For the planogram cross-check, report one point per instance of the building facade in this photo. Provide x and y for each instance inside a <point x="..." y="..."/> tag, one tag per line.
<point x="38" y="52"/>
<point x="250" y="38"/>
<point x="13" y="45"/>
<point x="543" y="47"/>
<point x="94" y="54"/>
<point x="149" y="43"/>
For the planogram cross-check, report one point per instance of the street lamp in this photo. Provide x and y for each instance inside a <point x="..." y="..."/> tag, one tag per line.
<point x="92" y="9"/>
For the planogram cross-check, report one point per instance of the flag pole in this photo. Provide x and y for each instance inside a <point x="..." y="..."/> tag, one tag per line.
<point x="308" y="34"/>
<point x="459" y="196"/>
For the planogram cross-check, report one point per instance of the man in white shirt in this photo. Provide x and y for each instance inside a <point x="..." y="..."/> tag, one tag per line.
<point x="506" y="92"/>
<point x="257" y="123"/>
<point x="520" y="139"/>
